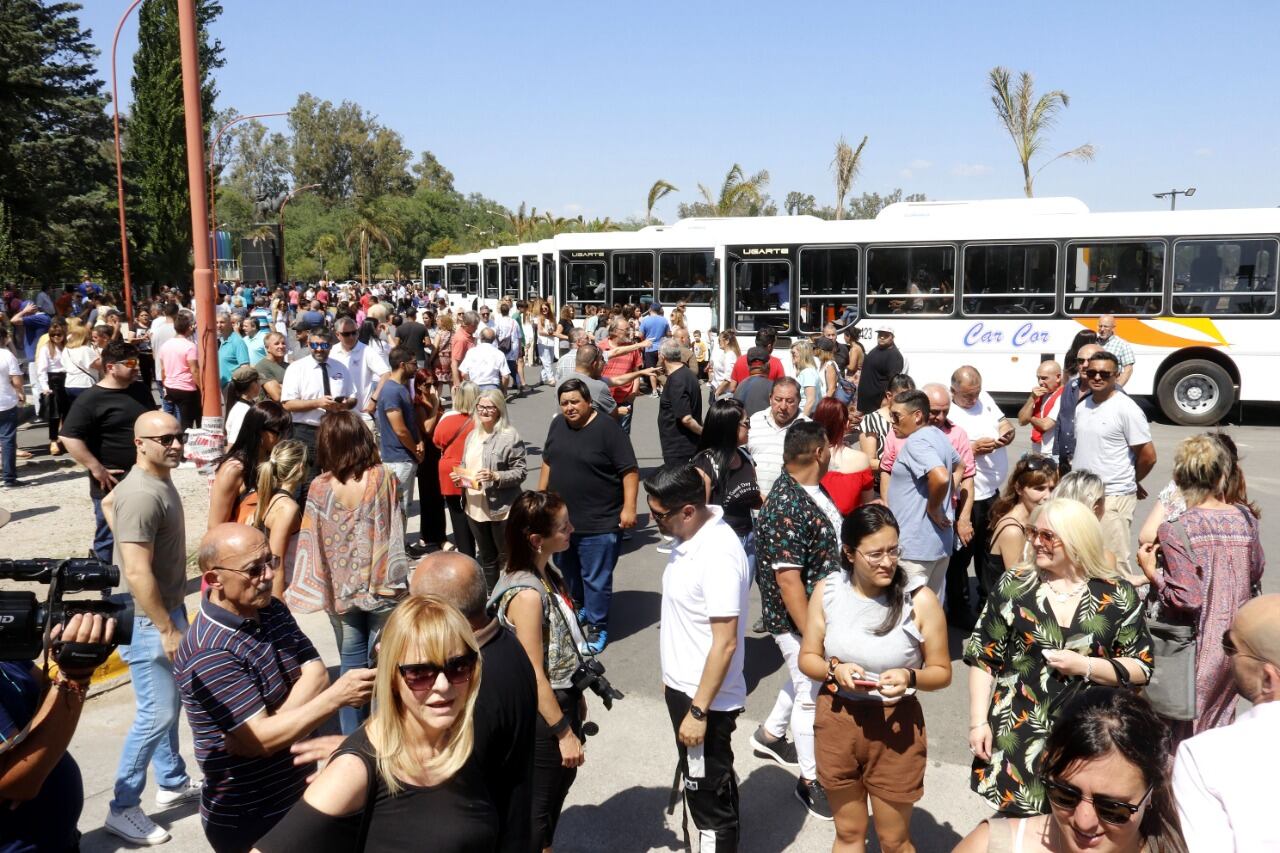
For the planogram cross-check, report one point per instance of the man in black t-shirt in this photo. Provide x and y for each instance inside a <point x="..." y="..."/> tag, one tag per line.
<point x="412" y="334"/>
<point x="98" y="431"/>
<point x="881" y="364"/>
<point x="680" y="409"/>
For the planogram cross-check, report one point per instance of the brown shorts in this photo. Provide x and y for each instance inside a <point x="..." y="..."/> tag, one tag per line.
<point x="883" y="748"/>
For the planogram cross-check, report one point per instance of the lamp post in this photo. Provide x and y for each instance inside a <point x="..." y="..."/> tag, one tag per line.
<point x="115" y="109"/>
<point x="213" y="185"/>
<point x="283" y="204"/>
<point x="1172" y="195"/>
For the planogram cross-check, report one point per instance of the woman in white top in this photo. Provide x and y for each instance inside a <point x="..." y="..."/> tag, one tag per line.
<point x="547" y="331"/>
<point x="51" y="381"/>
<point x="80" y="360"/>
<point x="722" y="362"/>
<point x="875" y="636"/>
<point x="807" y="376"/>
<point x="242" y="392"/>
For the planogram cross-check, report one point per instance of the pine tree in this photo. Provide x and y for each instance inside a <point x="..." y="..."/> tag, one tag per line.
<point x="157" y="141"/>
<point x="54" y="173"/>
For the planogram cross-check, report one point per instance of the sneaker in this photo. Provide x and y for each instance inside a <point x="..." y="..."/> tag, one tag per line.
<point x="134" y="826"/>
<point x="172" y="796"/>
<point x="420" y="549"/>
<point x="15" y="484"/>
<point x="780" y="750"/>
<point x="814" y="798"/>
<point x="597" y="639"/>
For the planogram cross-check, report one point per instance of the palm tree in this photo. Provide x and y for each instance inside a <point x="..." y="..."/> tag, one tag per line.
<point x="372" y="224"/>
<point x="521" y="223"/>
<point x="657" y="192"/>
<point x="556" y="224"/>
<point x="326" y="246"/>
<point x="739" y="195"/>
<point x="606" y="224"/>
<point x="847" y="164"/>
<point x="1028" y="120"/>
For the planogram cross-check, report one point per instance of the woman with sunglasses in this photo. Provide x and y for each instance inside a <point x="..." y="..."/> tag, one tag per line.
<point x="875" y="635"/>
<point x="531" y="599"/>
<point x="491" y="478"/>
<point x="403" y="780"/>
<point x="1058" y="622"/>
<point x="51" y="381"/>
<point x="1029" y="486"/>
<point x="1105" y="772"/>
<point x="236" y="474"/>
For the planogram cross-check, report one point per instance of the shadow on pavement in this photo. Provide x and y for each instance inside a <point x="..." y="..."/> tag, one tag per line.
<point x="929" y="836"/>
<point x="772" y="817"/>
<point x="632" y="611"/>
<point x="19" y="514"/>
<point x="761" y="659"/>
<point x="631" y="821"/>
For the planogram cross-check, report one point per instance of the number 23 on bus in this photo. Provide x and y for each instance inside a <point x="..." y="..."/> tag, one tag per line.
<point x="1024" y="335"/>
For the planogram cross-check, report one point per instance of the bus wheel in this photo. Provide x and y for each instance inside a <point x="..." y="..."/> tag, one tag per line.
<point x="1196" y="393"/>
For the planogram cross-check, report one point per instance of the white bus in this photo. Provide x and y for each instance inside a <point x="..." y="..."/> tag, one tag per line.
<point x="433" y="273"/>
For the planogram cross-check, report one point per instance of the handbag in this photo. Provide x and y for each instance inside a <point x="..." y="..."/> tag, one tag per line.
<point x="1172" y="689"/>
<point x="1081" y="685"/>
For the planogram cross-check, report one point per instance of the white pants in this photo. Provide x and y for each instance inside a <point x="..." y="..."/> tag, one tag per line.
<point x="934" y="573"/>
<point x="795" y="706"/>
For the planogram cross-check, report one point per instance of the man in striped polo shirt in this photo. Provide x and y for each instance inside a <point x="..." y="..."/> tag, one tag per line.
<point x="252" y="685"/>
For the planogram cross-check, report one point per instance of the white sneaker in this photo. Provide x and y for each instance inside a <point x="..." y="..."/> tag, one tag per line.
<point x="134" y="826"/>
<point x="173" y="796"/>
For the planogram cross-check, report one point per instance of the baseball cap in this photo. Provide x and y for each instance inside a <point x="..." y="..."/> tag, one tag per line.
<point x="884" y="329"/>
<point x="245" y="373"/>
<point x="757" y="355"/>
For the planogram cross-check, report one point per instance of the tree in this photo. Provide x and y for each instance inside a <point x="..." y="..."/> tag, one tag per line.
<point x="371" y="225"/>
<point x="846" y="165"/>
<point x="1028" y="120"/>
<point x="800" y="204"/>
<point x="869" y="205"/>
<point x="739" y="195"/>
<point x="660" y="190"/>
<point x="432" y="174"/>
<point x="261" y="166"/>
<point x="8" y="258"/>
<point x="523" y="224"/>
<point x="346" y="151"/>
<point x="157" y="136"/>
<point x="54" y="177"/>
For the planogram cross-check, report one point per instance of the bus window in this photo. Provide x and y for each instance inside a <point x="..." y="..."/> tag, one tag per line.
<point x="910" y="280"/>
<point x="632" y="276"/>
<point x="473" y="279"/>
<point x="490" y="279"/>
<point x="828" y="288"/>
<point x="1115" y="278"/>
<point x="1219" y="277"/>
<point x="690" y="276"/>
<point x="548" y="278"/>
<point x="458" y="279"/>
<point x="584" y="283"/>
<point x="1017" y="279"/>
<point x="762" y="296"/>
<point x="511" y="278"/>
<point x="531" y="271"/>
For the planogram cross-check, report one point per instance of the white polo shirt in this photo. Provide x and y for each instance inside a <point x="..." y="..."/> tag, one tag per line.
<point x="485" y="364"/>
<point x="706" y="577"/>
<point x="764" y="443"/>
<point x="982" y="420"/>
<point x="366" y="366"/>
<point x="303" y="380"/>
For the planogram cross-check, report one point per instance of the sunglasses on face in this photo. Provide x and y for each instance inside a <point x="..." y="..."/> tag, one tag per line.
<point x="253" y="571"/>
<point x="167" y="439"/>
<point x="1098" y="374"/>
<point x="318" y="346"/>
<point x="421" y="676"/>
<point x="130" y="363"/>
<point x="350" y="334"/>
<point x="1114" y="812"/>
<point x="663" y="516"/>
<point x="1038" y="535"/>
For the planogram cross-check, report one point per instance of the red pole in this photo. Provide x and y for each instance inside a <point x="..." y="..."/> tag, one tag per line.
<point x="115" y="108"/>
<point x="213" y="184"/>
<point x="202" y="275"/>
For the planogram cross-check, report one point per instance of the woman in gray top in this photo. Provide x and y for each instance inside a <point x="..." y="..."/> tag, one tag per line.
<point x="875" y="635"/>
<point x="491" y="477"/>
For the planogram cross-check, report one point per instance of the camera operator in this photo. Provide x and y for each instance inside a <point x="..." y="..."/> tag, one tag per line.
<point x="41" y="792"/>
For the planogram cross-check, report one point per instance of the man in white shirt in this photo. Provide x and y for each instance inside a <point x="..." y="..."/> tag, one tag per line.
<point x="161" y="333"/>
<point x="704" y="602"/>
<point x="769" y="430"/>
<point x="990" y="432"/>
<point x="312" y="388"/>
<point x="508" y="340"/>
<point x="485" y="364"/>
<point x="365" y="364"/>
<point x="1224" y="778"/>
<point x="1113" y="440"/>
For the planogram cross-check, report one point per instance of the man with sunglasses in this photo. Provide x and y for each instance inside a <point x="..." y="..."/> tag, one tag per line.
<point x="313" y="387"/>
<point x="1224" y="778"/>
<point x="253" y="685"/>
<point x="1113" y="440"/>
<point x="366" y="366"/>
<point x="1074" y="390"/>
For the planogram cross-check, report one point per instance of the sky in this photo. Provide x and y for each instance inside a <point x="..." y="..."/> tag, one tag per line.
<point x="578" y="108"/>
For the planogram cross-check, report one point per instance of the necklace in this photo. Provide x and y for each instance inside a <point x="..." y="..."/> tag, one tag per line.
<point x="1064" y="597"/>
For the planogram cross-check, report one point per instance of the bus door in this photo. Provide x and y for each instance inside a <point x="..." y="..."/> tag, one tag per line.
<point x="583" y="280"/>
<point x="761" y="288"/>
<point x="529" y="277"/>
<point x="491" y="283"/>
<point x="511" y="278"/>
<point x="473" y="286"/>
<point x="547" y="280"/>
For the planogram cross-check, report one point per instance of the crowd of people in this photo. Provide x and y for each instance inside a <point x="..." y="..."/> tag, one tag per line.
<point x="874" y="510"/>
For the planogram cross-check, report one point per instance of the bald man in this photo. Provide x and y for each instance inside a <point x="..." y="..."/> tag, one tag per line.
<point x="1224" y="779"/>
<point x="253" y="685"/>
<point x="1117" y="346"/>
<point x="1073" y="391"/>
<point x="145" y="514"/>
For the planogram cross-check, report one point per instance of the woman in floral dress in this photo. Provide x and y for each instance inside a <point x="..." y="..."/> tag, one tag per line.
<point x="1048" y="626"/>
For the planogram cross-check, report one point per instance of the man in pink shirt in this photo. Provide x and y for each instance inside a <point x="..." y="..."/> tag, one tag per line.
<point x="463" y="340"/>
<point x="939" y="406"/>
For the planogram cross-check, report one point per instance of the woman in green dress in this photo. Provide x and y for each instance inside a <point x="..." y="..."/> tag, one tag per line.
<point x="1049" y="626"/>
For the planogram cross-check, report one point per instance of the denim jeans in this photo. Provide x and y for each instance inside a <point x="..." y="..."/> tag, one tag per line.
<point x="587" y="567"/>
<point x="515" y="373"/>
<point x="104" y="541"/>
<point x="352" y="631"/>
<point x="9" y="443"/>
<point x="153" y="738"/>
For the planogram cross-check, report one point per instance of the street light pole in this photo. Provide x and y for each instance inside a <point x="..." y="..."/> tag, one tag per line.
<point x="115" y="108"/>
<point x="1172" y="195"/>
<point x="213" y="184"/>
<point x="202" y="274"/>
<point x="284" y="204"/>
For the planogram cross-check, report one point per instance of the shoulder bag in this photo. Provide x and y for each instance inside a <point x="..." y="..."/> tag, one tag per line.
<point x="1172" y="689"/>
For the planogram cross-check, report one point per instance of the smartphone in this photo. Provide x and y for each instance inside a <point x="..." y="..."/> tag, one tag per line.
<point x="340" y="400"/>
<point x="867" y="683"/>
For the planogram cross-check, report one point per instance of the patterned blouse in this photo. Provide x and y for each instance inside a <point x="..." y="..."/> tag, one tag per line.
<point x="1015" y="628"/>
<point x="793" y="529"/>
<point x="560" y="655"/>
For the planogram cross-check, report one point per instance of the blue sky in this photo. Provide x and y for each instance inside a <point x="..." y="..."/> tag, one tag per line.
<point x="578" y="108"/>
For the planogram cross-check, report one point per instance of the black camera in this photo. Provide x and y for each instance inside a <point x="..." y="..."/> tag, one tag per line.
<point x="25" y="621"/>
<point x="590" y="676"/>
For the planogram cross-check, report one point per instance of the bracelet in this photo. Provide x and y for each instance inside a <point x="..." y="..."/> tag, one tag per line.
<point x="74" y="688"/>
<point x="978" y="726"/>
<point x="561" y="727"/>
<point x="1088" y="669"/>
<point x="831" y="667"/>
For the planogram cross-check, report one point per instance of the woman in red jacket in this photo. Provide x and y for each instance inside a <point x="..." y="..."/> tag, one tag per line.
<point x="451" y="437"/>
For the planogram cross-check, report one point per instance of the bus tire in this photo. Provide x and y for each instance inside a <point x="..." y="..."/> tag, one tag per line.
<point x="1196" y="392"/>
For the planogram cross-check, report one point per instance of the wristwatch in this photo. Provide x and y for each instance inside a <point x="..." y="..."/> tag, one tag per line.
<point x="697" y="713"/>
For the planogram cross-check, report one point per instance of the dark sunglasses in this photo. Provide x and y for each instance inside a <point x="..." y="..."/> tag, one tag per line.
<point x="663" y="516"/>
<point x="1099" y="374"/>
<point x="1114" y="812"/>
<point x="350" y="334"/>
<point x="167" y="439"/>
<point x="1032" y="462"/>
<point x="421" y="676"/>
<point x="318" y="345"/>
<point x="255" y="570"/>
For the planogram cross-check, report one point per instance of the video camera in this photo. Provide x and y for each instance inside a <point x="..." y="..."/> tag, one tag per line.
<point x="25" y="622"/>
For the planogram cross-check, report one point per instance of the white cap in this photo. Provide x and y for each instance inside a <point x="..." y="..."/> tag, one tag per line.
<point x="884" y="329"/>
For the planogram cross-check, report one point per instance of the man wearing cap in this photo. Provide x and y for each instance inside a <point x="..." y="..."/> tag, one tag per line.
<point x="882" y="363"/>
<point x="753" y="391"/>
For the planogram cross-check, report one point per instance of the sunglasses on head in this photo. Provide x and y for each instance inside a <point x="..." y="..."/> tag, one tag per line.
<point x="1114" y="812"/>
<point x="1032" y="462"/>
<point x="1098" y="374"/>
<point x="421" y="676"/>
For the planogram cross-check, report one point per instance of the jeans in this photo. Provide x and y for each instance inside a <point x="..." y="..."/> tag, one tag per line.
<point x="104" y="541"/>
<point x="187" y="404"/>
<point x="515" y="373"/>
<point x="624" y="421"/>
<point x="491" y="548"/>
<point x="587" y="567"/>
<point x="153" y="737"/>
<point x="9" y="444"/>
<point x="405" y="473"/>
<point x="795" y="706"/>
<point x="166" y="405"/>
<point x="710" y="800"/>
<point x="352" y="631"/>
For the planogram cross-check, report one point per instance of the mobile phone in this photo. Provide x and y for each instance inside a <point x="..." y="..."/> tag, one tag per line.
<point x="867" y="683"/>
<point x="340" y="400"/>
